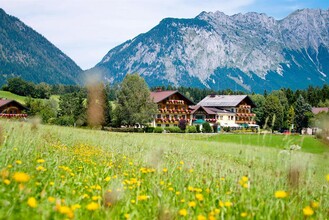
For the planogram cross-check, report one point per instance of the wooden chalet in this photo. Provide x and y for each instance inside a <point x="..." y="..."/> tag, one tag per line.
<point x="172" y="107"/>
<point x="12" y="109"/>
<point x="238" y="106"/>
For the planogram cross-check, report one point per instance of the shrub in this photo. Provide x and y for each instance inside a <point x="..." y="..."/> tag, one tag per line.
<point x="198" y="128"/>
<point x="149" y="129"/>
<point x="158" y="130"/>
<point x="173" y="129"/>
<point x="226" y="129"/>
<point x="206" y="128"/>
<point x="191" y="129"/>
<point x="182" y="124"/>
<point x="128" y="129"/>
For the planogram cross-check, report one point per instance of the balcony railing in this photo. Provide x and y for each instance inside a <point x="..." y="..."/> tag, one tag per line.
<point x="245" y="122"/>
<point x="166" y="120"/>
<point x="175" y="111"/>
<point x="246" y="114"/>
<point x="13" y="115"/>
<point x="176" y="102"/>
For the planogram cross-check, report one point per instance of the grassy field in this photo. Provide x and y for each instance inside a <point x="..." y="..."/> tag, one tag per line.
<point x="51" y="172"/>
<point x="9" y="95"/>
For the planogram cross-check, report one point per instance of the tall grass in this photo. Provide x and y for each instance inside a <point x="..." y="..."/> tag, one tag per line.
<point x="78" y="173"/>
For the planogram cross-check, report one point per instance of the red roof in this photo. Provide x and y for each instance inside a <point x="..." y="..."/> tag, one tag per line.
<point x="209" y="111"/>
<point x="4" y="102"/>
<point x="158" y="96"/>
<point x="318" y="110"/>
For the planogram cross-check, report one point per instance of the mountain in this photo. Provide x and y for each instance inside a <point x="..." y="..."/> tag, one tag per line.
<point x="25" y="53"/>
<point x="250" y="52"/>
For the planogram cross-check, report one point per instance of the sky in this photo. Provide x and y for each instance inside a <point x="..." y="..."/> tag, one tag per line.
<point x="86" y="30"/>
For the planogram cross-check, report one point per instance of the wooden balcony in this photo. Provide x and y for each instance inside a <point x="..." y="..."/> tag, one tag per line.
<point x="245" y="122"/>
<point x="174" y="111"/>
<point x="13" y="115"/>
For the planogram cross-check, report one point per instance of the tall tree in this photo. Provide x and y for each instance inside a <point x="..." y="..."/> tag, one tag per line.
<point x="134" y="102"/>
<point x="273" y="112"/>
<point x="303" y="113"/>
<point x="259" y="101"/>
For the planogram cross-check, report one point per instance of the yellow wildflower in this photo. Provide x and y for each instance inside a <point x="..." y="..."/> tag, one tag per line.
<point x="178" y="193"/>
<point x="217" y="211"/>
<point x="201" y="217"/>
<point x="133" y="201"/>
<point x="182" y="212"/>
<point x="21" y="177"/>
<point x="244" y="179"/>
<point x="221" y="203"/>
<point x="4" y="173"/>
<point x="32" y="202"/>
<point x="107" y="179"/>
<point x="199" y="197"/>
<point x="228" y="204"/>
<point x="243" y="214"/>
<point x="40" y="160"/>
<point x="127" y="216"/>
<point x="94" y="198"/>
<point x="92" y="206"/>
<point x="181" y="162"/>
<point x="75" y="206"/>
<point x="165" y="170"/>
<point x="171" y="189"/>
<point x="280" y="194"/>
<point x="308" y="211"/>
<point x="51" y="199"/>
<point x="51" y="183"/>
<point x="6" y="181"/>
<point x="142" y="197"/>
<point x="192" y="204"/>
<point x="41" y="168"/>
<point x="315" y="204"/>
<point x="327" y="177"/>
<point x="66" y="211"/>
<point x="18" y="162"/>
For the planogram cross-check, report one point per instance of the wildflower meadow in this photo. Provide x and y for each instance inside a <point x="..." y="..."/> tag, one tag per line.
<point x="50" y="172"/>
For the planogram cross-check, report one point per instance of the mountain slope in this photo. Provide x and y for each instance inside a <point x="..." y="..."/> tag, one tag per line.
<point x="25" y="53"/>
<point x="249" y="52"/>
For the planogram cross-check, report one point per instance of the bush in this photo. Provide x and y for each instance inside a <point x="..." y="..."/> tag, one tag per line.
<point x="226" y="129"/>
<point x="173" y="130"/>
<point x="182" y="124"/>
<point x="206" y="128"/>
<point x="198" y="128"/>
<point x="128" y="129"/>
<point x="191" y="129"/>
<point x="149" y="129"/>
<point x="158" y="130"/>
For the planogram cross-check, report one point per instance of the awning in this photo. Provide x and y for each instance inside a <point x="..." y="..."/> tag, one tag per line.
<point x="199" y="122"/>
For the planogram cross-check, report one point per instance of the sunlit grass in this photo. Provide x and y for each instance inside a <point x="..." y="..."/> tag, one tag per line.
<point x="81" y="174"/>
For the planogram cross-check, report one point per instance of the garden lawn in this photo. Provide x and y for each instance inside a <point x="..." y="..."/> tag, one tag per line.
<point x="50" y="172"/>
<point x="307" y="143"/>
<point x="9" y="95"/>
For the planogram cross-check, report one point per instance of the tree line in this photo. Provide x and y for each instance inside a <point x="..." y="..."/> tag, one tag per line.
<point x="128" y="103"/>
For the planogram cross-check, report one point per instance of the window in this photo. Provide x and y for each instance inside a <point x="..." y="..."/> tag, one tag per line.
<point x="158" y="125"/>
<point x="183" y="116"/>
<point x="159" y="106"/>
<point x="175" y="116"/>
<point x="175" y="125"/>
<point x="159" y="116"/>
<point x="221" y="117"/>
<point x="167" y="125"/>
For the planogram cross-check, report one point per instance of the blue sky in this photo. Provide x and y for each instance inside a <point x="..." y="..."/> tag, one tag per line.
<point x="87" y="29"/>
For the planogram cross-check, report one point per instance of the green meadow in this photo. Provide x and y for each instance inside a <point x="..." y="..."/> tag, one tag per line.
<point x="50" y="172"/>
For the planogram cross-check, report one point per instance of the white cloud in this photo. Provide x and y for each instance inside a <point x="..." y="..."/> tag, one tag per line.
<point x="87" y="29"/>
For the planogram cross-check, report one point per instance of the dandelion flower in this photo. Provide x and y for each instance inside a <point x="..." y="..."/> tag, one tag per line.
<point x="308" y="211"/>
<point x="142" y="197"/>
<point x="18" y="162"/>
<point x="40" y="161"/>
<point x="21" y="177"/>
<point x="182" y="212"/>
<point x="192" y="204"/>
<point x="32" y="202"/>
<point x="315" y="204"/>
<point x="199" y="197"/>
<point x="41" y="168"/>
<point x="127" y="216"/>
<point x="201" y="217"/>
<point x="6" y="181"/>
<point x="165" y="170"/>
<point x="327" y="177"/>
<point x="92" y="206"/>
<point x="280" y="194"/>
<point x="107" y="179"/>
<point x="51" y="199"/>
<point x="243" y="214"/>
<point x="228" y="204"/>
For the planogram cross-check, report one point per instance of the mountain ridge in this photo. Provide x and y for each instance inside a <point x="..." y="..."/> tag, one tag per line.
<point x="26" y="53"/>
<point x="249" y="51"/>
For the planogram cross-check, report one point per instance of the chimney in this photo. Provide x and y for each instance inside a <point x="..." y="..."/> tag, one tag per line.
<point x="159" y="89"/>
<point x="212" y="95"/>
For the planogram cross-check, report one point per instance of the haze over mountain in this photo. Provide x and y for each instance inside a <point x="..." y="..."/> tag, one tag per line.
<point x="25" y="53"/>
<point x="249" y="52"/>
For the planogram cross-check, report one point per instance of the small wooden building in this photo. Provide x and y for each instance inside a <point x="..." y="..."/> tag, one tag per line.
<point x="12" y="108"/>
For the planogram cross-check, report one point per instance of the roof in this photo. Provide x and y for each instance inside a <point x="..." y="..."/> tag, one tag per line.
<point x="4" y="102"/>
<point x="209" y="111"/>
<point x="158" y="96"/>
<point x="224" y="100"/>
<point x="318" y="110"/>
